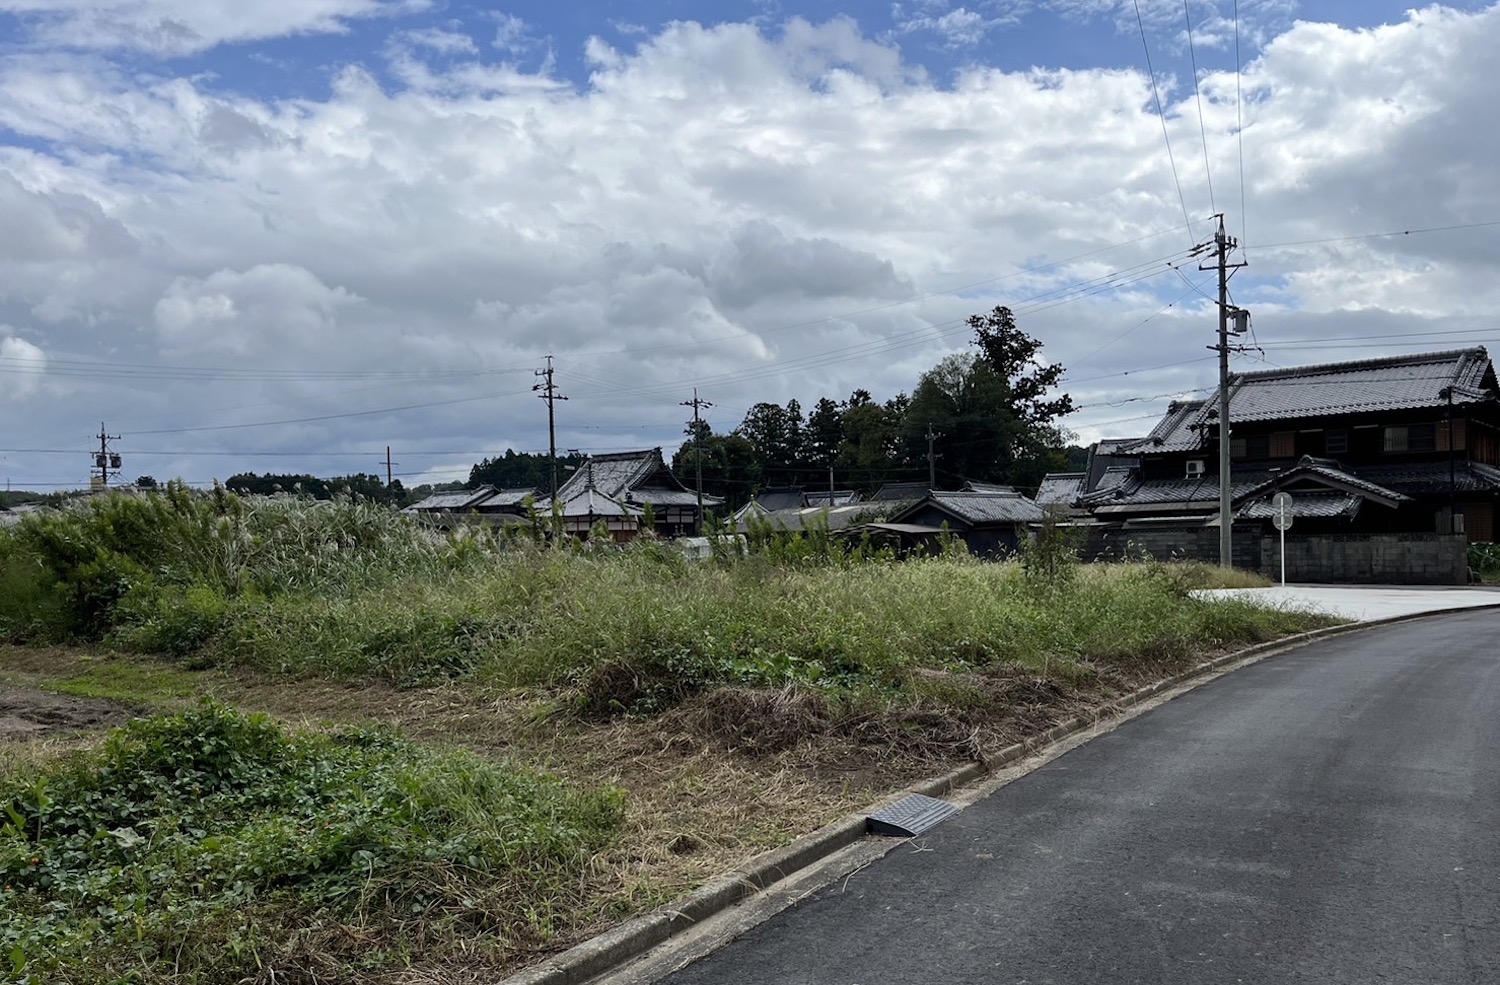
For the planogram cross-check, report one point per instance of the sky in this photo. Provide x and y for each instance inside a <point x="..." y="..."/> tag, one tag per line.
<point x="281" y="236"/>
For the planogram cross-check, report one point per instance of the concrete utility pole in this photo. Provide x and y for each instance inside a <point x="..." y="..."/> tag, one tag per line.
<point x="106" y="461"/>
<point x="388" y="463"/>
<point x="697" y="405"/>
<point x="931" y="460"/>
<point x="1223" y="244"/>
<point x="549" y="393"/>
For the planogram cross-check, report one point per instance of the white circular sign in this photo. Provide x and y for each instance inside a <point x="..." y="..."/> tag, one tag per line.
<point x="1281" y="510"/>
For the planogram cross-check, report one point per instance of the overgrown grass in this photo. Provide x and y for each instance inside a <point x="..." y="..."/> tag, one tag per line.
<point x="213" y="846"/>
<point x="347" y="590"/>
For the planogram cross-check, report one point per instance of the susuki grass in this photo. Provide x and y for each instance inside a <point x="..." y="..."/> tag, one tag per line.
<point x="348" y="589"/>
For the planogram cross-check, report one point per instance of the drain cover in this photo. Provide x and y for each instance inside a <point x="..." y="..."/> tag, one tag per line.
<point x="910" y="816"/>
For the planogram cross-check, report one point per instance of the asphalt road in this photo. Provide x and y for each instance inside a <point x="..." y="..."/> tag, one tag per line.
<point x="1330" y="815"/>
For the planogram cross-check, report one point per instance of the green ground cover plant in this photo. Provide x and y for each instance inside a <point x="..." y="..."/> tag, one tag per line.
<point x="1484" y="559"/>
<point x="212" y="845"/>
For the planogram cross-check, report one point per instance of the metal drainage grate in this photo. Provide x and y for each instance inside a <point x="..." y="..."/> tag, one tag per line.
<point x="910" y="816"/>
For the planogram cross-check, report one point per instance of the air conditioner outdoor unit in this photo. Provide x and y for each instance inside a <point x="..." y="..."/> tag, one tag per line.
<point x="1195" y="468"/>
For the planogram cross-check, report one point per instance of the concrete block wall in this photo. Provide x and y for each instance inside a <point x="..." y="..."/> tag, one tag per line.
<point x="1171" y="543"/>
<point x="1372" y="559"/>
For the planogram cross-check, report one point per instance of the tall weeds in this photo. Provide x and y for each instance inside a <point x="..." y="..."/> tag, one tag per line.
<point x="350" y="589"/>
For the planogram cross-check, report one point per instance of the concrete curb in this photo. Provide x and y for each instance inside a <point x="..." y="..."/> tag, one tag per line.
<point x="610" y="950"/>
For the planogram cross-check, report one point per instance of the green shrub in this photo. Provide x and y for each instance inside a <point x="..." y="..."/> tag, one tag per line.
<point x="210" y="845"/>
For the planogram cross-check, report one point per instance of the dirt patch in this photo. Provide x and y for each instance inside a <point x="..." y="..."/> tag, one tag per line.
<point x="26" y="713"/>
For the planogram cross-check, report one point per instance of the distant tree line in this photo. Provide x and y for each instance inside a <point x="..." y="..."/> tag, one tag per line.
<point x="363" y="485"/>
<point x="987" y="415"/>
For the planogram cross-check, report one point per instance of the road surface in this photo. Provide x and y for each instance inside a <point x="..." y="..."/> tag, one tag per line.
<point x="1330" y="815"/>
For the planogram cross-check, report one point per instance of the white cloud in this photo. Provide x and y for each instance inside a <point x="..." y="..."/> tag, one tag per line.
<point x="170" y="28"/>
<point x="22" y="365"/>
<point x="761" y="214"/>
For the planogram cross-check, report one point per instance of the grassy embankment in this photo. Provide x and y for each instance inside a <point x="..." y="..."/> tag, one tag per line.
<point x="765" y="655"/>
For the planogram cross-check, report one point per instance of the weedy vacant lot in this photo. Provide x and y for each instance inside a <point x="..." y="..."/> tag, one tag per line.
<point x="478" y="749"/>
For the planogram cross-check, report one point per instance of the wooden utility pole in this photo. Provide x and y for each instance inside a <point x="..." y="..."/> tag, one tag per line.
<point x="549" y="393"/>
<point x="388" y="463"/>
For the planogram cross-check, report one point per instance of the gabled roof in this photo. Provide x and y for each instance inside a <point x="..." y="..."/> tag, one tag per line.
<point x="900" y="492"/>
<point x="448" y="502"/>
<point x="631" y="477"/>
<point x="1317" y="505"/>
<point x="977" y="507"/>
<point x="773" y="498"/>
<point x="501" y="499"/>
<point x="1412" y="382"/>
<point x="1328" y="475"/>
<point x="837" y="497"/>
<point x="1060" y="488"/>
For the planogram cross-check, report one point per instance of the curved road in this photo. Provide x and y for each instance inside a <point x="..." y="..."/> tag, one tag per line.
<point x="1330" y="815"/>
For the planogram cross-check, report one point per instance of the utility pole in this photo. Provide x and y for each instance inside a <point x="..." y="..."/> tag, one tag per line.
<point x="931" y="461"/>
<point x="697" y="405"/>
<point x="549" y="393"/>
<point x="1223" y="244"/>
<point x="106" y="461"/>
<point x="388" y="463"/>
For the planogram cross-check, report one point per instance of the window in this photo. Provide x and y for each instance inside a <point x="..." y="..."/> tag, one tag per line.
<point x="1335" y="441"/>
<point x="1254" y="446"/>
<point x="1413" y="437"/>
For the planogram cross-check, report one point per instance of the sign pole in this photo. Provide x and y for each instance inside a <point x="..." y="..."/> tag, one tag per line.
<point x="1281" y="516"/>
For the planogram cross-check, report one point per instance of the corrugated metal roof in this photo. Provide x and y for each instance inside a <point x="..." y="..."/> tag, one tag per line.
<point x="1300" y="393"/>
<point x="800" y="519"/>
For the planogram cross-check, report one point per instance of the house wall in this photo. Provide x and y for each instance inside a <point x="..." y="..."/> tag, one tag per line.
<point x="1392" y="559"/>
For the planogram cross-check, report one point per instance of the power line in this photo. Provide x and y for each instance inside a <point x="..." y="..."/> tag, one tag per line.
<point x="1198" y="96"/>
<point x="1239" y="127"/>
<point x="1156" y="95"/>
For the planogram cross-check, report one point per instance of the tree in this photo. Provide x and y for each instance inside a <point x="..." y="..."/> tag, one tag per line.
<point x="992" y="409"/>
<point x="825" y="432"/>
<point x="146" y="482"/>
<point x="731" y="466"/>
<point x="776" y="432"/>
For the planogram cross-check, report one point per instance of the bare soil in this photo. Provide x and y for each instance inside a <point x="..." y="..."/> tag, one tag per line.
<point x="27" y="713"/>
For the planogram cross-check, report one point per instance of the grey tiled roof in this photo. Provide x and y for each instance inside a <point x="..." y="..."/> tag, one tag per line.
<point x="1308" y="505"/>
<point x="1366" y="386"/>
<point x="775" y="498"/>
<point x="900" y="492"/>
<point x="839" y="497"/>
<point x="977" y="507"/>
<point x="1432" y="477"/>
<point x="1060" y="488"/>
<point x="1324" y="469"/>
<point x="502" y="498"/>
<point x="630" y="476"/>
<point x="447" y="502"/>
